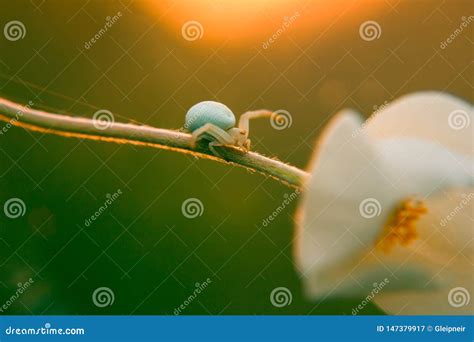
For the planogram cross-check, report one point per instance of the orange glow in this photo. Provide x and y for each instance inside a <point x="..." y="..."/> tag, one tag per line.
<point x="237" y="20"/>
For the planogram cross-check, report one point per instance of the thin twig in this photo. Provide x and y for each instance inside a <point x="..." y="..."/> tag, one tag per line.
<point x="26" y="117"/>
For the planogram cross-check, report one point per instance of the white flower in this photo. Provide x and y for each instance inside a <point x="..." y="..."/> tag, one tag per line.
<point x="391" y="201"/>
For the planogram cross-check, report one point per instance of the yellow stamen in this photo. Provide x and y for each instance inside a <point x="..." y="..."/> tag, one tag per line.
<point x="401" y="225"/>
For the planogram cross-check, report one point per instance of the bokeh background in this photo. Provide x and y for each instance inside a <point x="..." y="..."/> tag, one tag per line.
<point x="144" y="70"/>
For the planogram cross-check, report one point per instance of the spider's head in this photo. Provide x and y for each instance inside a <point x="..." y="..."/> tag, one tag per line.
<point x="239" y="135"/>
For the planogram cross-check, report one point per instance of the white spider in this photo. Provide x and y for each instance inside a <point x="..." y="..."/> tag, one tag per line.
<point x="213" y="121"/>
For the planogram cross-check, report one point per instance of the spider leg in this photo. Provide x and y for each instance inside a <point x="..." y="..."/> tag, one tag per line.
<point x="253" y="114"/>
<point x="220" y="136"/>
<point x="212" y="144"/>
<point x="246" y="146"/>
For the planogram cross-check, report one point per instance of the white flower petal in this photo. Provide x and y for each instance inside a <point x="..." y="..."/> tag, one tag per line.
<point x="432" y="116"/>
<point x="332" y="229"/>
<point x="418" y="167"/>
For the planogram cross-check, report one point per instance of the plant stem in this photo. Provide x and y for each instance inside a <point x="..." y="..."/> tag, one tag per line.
<point x="86" y="128"/>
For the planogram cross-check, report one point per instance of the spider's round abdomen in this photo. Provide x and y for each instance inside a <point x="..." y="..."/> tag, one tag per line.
<point x="211" y="112"/>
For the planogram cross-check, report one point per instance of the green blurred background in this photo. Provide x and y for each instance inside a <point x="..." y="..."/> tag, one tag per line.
<point x="143" y="70"/>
